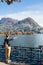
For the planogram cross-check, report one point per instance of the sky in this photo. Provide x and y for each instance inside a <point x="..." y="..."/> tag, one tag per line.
<point x="23" y="9"/>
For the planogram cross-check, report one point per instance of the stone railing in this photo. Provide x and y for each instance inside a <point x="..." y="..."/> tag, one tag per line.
<point x="24" y="54"/>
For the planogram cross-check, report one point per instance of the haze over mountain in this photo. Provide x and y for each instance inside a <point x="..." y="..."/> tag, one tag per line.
<point x="9" y="24"/>
<point x="8" y="20"/>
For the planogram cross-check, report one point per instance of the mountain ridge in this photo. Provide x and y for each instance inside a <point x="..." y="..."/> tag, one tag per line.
<point x="9" y="24"/>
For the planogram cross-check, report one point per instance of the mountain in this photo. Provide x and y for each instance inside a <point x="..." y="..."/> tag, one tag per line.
<point x="27" y="24"/>
<point x="9" y="24"/>
<point x="8" y="20"/>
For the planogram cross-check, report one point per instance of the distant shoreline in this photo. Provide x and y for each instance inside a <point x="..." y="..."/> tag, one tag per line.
<point x="17" y="33"/>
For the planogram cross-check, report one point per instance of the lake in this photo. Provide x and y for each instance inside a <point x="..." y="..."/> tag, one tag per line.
<point x="25" y="40"/>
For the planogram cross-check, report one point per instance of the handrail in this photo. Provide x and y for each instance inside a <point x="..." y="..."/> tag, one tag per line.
<point x="24" y="54"/>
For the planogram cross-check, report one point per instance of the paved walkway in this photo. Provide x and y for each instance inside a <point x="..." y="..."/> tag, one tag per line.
<point x="13" y="63"/>
<point x="2" y="63"/>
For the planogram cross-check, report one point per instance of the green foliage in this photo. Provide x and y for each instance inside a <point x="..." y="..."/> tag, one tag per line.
<point x="10" y="1"/>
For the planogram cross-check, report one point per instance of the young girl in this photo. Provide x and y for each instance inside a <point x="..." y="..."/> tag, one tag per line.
<point x="8" y="51"/>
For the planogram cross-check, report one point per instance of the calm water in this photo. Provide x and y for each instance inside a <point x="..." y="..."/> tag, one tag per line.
<point x="25" y="40"/>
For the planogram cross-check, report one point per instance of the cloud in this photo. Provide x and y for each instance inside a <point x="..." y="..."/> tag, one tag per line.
<point x="35" y="7"/>
<point x="35" y="11"/>
<point x="36" y="15"/>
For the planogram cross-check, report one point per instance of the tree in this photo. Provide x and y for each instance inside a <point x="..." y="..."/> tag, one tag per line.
<point x="10" y="1"/>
